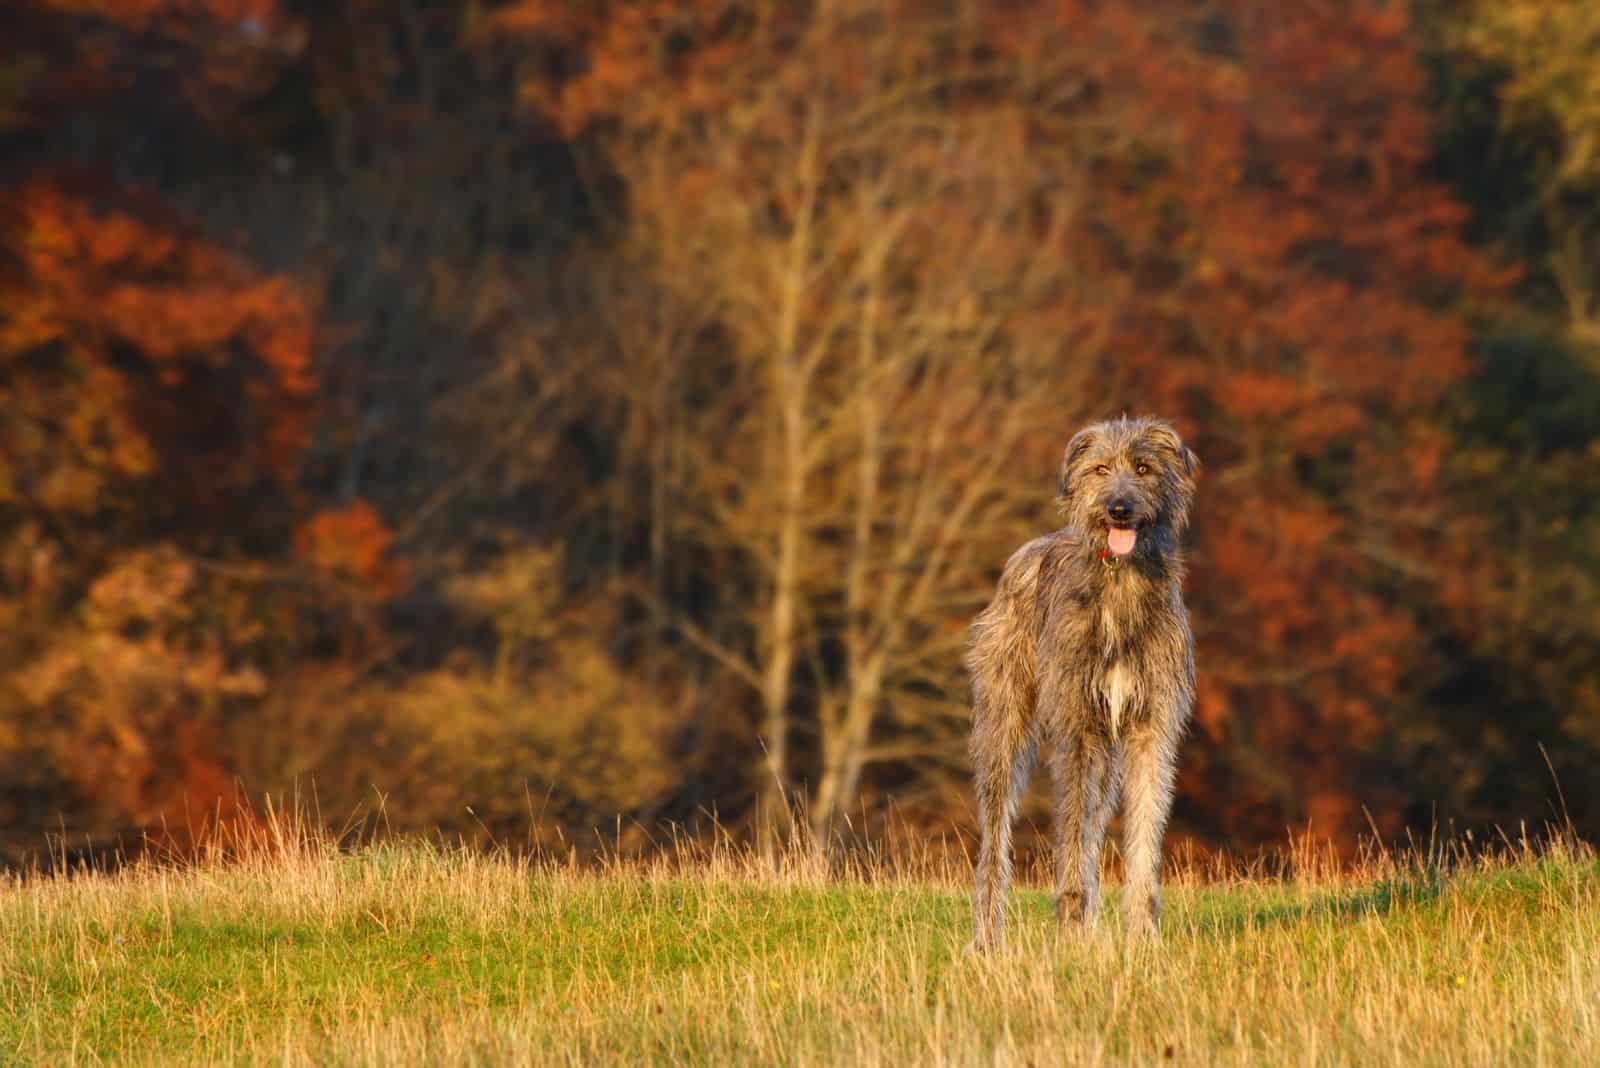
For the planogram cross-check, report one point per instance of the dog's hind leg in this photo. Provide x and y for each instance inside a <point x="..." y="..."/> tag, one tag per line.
<point x="1002" y="756"/>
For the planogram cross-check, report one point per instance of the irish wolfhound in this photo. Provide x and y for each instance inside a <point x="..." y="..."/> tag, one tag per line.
<point x="1086" y="649"/>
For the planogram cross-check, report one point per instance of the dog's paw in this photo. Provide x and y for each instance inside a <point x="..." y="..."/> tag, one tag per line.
<point x="1143" y="930"/>
<point x="982" y="947"/>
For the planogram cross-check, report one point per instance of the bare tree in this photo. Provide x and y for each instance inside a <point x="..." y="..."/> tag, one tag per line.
<point x="883" y="264"/>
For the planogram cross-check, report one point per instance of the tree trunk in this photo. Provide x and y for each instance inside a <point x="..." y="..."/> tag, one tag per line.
<point x="844" y="753"/>
<point x="790" y="382"/>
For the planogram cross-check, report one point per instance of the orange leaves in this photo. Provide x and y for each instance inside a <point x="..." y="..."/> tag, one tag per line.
<point x="140" y="12"/>
<point x="352" y="542"/>
<point x="118" y="277"/>
<point x="1274" y="562"/>
<point x="1254" y="394"/>
<point x="1234" y="225"/>
<point x="211" y="51"/>
<point x="138" y="315"/>
<point x="155" y="396"/>
<point x="625" y="57"/>
<point x="555" y="18"/>
<point x="1320" y="267"/>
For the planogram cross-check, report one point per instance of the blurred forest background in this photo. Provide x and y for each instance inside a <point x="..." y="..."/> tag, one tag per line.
<point x="552" y="420"/>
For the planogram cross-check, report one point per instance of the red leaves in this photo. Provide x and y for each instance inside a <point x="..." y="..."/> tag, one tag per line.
<point x="1255" y="394"/>
<point x="155" y="395"/>
<point x="352" y="542"/>
<point x="1319" y="277"/>
<point x="617" y="52"/>
<point x="142" y="316"/>
<point x="1281" y="274"/>
<point x="143" y="11"/>
<point x="121" y="278"/>
<point x="211" y="53"/>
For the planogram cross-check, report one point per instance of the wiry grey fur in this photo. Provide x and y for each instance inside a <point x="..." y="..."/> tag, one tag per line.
<point x="1089" y="655"/>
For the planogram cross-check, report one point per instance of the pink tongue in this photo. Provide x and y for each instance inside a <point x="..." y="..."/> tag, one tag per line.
<point x="1119" y="541"/>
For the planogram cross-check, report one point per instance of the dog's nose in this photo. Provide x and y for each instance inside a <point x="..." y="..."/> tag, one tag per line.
<point x="1120" y="509"/>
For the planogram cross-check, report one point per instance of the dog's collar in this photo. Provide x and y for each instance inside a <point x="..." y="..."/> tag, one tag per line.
<point x="1108" y="559"/>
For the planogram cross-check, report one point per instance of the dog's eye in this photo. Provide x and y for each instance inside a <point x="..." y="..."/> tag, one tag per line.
<point x="1143" y="469"/>
<point x="1102" y="469"/>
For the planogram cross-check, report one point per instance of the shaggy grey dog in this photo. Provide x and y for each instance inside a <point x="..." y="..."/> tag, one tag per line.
<point x="1086" y="649"/>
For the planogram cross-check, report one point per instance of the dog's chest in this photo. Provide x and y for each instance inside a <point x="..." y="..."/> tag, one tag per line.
<point x="1110" y="629"/>
<point x="1119" y="689"/>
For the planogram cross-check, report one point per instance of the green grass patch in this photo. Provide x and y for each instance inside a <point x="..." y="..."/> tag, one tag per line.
<point x="412" y="954"/>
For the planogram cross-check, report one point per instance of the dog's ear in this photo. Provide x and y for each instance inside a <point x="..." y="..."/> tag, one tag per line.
<point x="1167" y="439"/>
<point x="1081" y="442"/>
<point x="1191" y="462"/>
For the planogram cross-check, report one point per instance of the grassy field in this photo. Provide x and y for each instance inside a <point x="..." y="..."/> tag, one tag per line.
<point x="300" y="953"/>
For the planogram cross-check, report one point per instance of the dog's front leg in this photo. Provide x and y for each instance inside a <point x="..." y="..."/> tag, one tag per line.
<point x="1069" y="772"/>
<point x="1102" y="780"/>
<point x="1151" y="764"/>
<point x="1087" y="780"/>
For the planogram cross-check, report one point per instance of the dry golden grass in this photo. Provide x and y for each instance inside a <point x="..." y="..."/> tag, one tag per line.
<point x="401" y="953"/>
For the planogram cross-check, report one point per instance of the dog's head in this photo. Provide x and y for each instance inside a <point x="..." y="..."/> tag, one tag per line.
<point x="1127" y="483"/>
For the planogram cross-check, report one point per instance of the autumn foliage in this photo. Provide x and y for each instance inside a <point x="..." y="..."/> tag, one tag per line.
<point x="387" y="385"/>
<point x="146" y="328"/>
<point x="158" y="394"/>
<point x="352" y="542"/>
<point x="1281" y="273"/>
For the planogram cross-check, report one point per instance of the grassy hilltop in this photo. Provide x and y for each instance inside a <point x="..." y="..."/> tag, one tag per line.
<point x="408" y="953"/>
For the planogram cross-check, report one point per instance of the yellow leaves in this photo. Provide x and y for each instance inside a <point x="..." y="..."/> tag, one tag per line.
<point x="48" y="677"/>
<point x="145" y="586"/>
<point x="581" y="731"/>
<point x="1550" y="48"/>
<point x="522" y="594"/>
<point x="138" y="648"/>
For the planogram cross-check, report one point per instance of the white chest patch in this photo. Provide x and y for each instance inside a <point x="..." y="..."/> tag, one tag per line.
<point x="1118" y="689"/>
<point x="1108" y="627"/>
